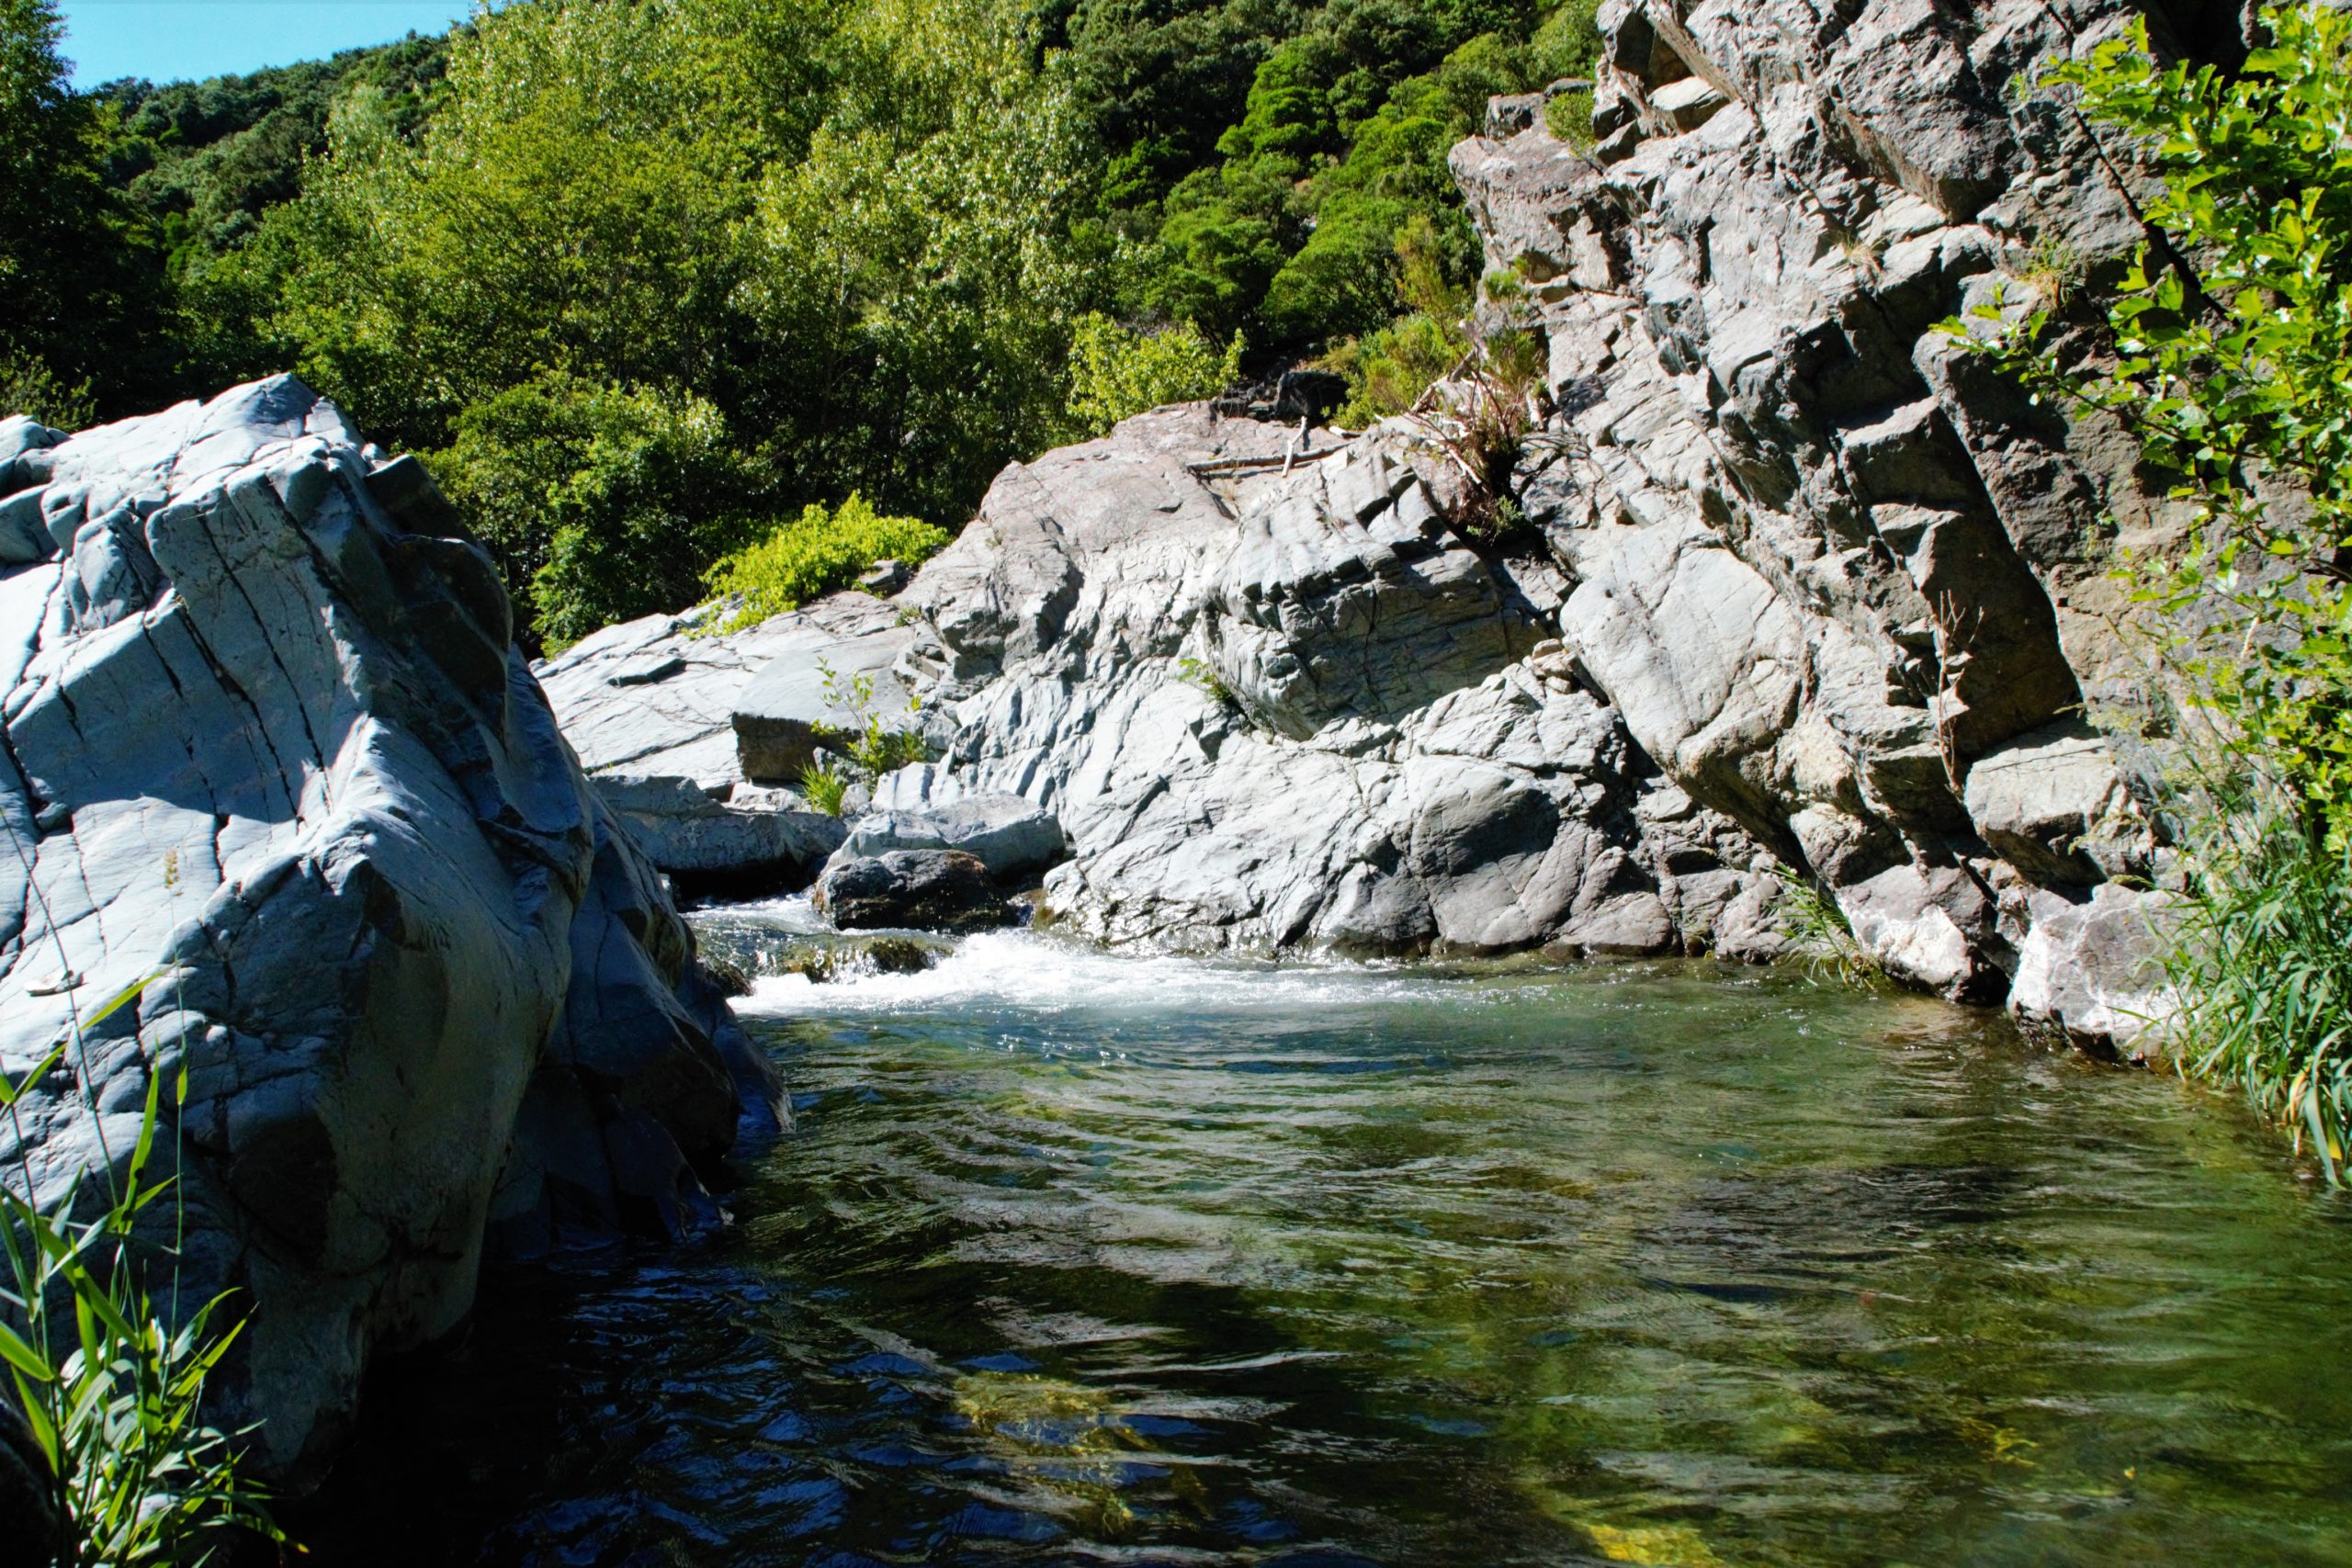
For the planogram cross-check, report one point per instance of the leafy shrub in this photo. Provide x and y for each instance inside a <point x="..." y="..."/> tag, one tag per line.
<point x="28" y="387"/>
<point x="870" y="746"/>
<point x="873" y="746"/>
<point x="115" y="1411"/>
<point x="1821" y="932"/>
<point x="813" y="555"/>
<point x="1467" y="383"/>
<point x="1568" y="43"/>
<point x="2231" y="373"/>
<point x="825" y="785"/>
<point x="601" y="501"/>
<point x="1389" y="371"/>
<point x="1568" y="115"/>
<point x="1116" y="372"/>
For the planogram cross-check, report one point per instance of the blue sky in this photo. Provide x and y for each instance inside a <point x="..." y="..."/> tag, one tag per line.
<point x="170" y="41"/>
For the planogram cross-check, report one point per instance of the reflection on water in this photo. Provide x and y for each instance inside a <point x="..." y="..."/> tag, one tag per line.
<point x="1078" y="1259"/>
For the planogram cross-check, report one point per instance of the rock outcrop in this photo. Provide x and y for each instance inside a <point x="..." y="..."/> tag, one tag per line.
<point x="1276" y="699"/>
<point x="270" y="749"/>
<point x="650" y="707"/>
<point x="1817" y="596"/>
<point x="1843" y="582"/>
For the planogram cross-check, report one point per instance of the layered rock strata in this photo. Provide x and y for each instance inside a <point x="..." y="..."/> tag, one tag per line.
<point x="1845" y="583"/>
<point x="271" y="751"/>
<point x="651" y="707"/>
<point x="1276" y="699"/>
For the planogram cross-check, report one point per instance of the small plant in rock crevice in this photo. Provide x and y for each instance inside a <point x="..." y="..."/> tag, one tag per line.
<point x="825" y="785"/>
<point x="869" y="746"/>
<point x="1203" y="677"/>
<point x="1820" y="930"/>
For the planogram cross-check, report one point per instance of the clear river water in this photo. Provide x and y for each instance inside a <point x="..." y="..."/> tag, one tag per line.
<point x="1085" y="1259"/>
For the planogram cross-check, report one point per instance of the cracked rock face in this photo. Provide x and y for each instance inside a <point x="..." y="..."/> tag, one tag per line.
<point x="1274" y="709"/>
<point x="1844" y="583"/>
<point x="269" y="748"/>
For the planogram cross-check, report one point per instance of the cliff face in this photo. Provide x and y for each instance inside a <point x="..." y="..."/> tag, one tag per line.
<point x="1841" y="581"/>
<point x="1821" y="599"/>
<point x="270" y="749"/>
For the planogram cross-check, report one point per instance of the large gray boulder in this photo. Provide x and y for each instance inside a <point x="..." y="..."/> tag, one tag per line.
<point x="923" y="807"/>
<point x="270" y="749"/>
<point x="1242" y="690"/>
<point x="931" y="890"/>
<point x="743" y="842"/>
<point x="2090" y="970"/>
<point x="649" y="705"/>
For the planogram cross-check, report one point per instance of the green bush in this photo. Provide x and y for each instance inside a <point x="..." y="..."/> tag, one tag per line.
<point x="824" y="784"/>
<point x="2231" y="371"/>
<point x="1568" y="43"/>
<point x="1388" y="370"/>
<point x="813" y="555"/>
<point x="28" y="387"/>
<point x="1116" y="372"/>
<point x="600" y="501"/>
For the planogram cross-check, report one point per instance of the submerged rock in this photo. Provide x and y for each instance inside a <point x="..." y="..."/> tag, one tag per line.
<point x="856" y="956"/>
<point x="272" y="752"/>
<point x="931" y="890"/>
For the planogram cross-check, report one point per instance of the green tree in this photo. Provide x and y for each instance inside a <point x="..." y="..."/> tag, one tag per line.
<point x="1116" y="372"/>
<point x="758" y="253"/>
<point x="919" y="270"/>
<point x="77" y="287"/>
<point x="606" y="500"/>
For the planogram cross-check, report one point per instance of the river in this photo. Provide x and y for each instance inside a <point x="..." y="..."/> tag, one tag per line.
<point x="1085" y="1259"/>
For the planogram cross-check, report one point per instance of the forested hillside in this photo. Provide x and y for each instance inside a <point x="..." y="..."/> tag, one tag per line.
<point x="646" y="276"/>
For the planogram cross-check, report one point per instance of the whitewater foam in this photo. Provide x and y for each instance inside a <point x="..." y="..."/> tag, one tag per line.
<point x="1022" y="971"/>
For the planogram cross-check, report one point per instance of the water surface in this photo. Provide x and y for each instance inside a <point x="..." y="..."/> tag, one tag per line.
<point x="1080" y="1258"/>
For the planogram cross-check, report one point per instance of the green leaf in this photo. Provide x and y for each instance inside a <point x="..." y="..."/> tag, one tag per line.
<point x="10" y="1092"/>
<point x="35" y="1410"/>
<point x="24" y="1357"/>
<point x="117" y="1003"/>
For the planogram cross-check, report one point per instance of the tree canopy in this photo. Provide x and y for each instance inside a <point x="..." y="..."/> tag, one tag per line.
<point x="646" y="278"/>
